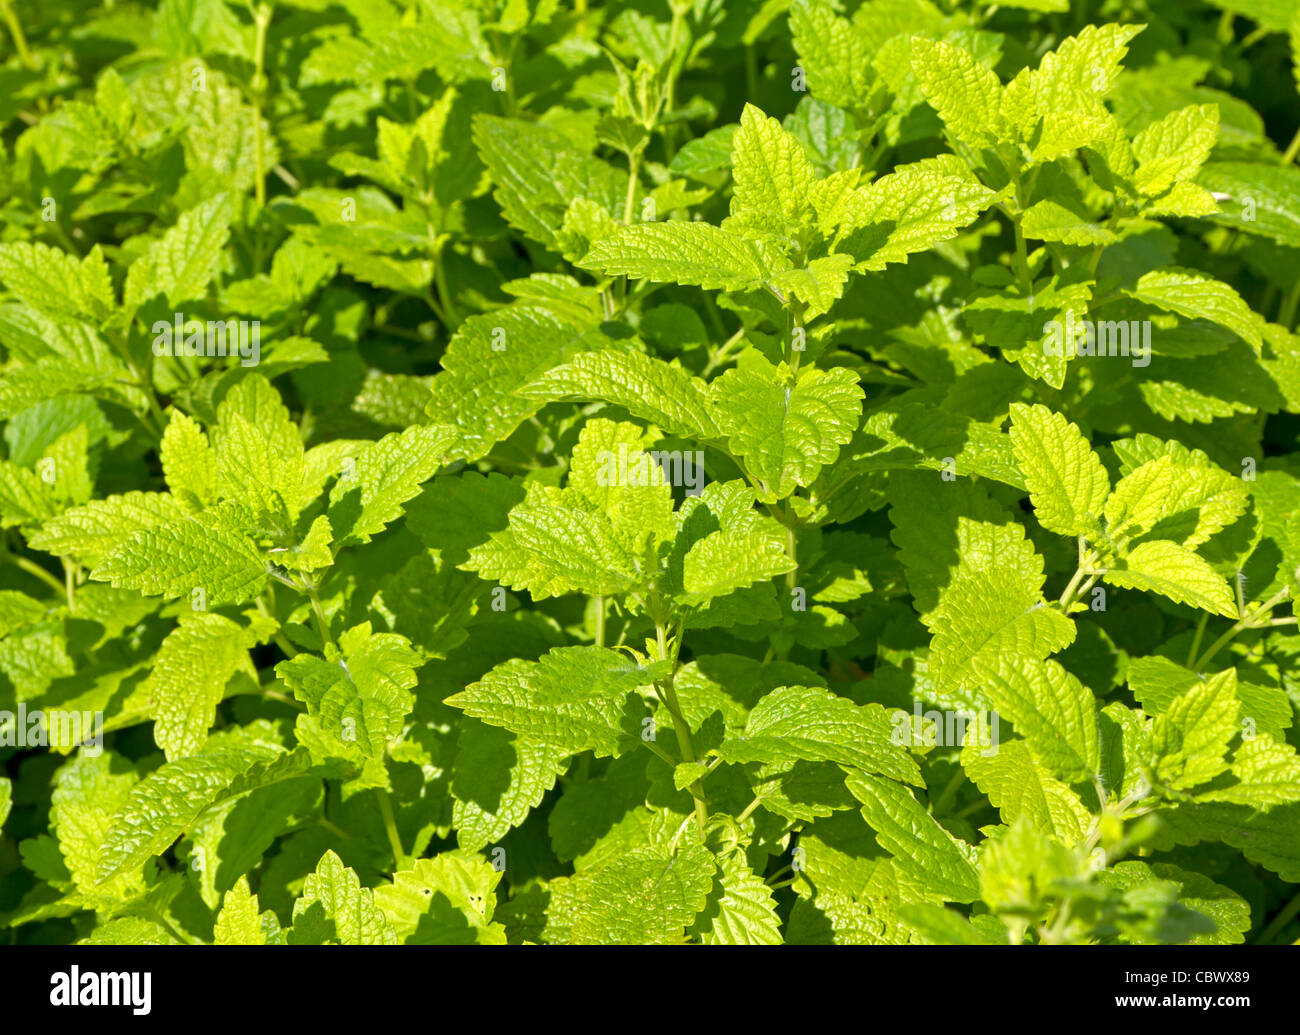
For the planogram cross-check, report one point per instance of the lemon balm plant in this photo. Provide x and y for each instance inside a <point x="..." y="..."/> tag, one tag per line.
<point x="717" y="473"/>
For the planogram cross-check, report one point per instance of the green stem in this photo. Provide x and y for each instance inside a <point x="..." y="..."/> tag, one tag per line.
<point x="337" y="831"/>
<point x="390" y="828"/>
<point x="1255" y="37"/>
<point x="275" y="695"/>
<point x="1286" y="315"/>
<point x="143" y="381"/>
<point x="947" y="793"/>
<point x="1196" y="639"/>
<point x="317" y="612"/>
<point x="600" y="620"/>
<point x="670" y="88"/>
<point x="629" y="199"/>
<point x="16" y="31"/>
<point x="660" y="753"/>
<point x="1087" y="558"/>
<point x="166" y="925"/>
<point x="69" y="582"/>
<point x="261" y="21"/>
<point x="1249" y="621"/>
<point x="668" y="693"/>
<point x="1225" y="33"/>
<point x="1284" y="917"/>
<point x="749" y="810"/>
<point x="629" y="205"/>
<point x="1067" y="598"/>
<point x="1292" y="150"/>
<point x="32" y="568"/>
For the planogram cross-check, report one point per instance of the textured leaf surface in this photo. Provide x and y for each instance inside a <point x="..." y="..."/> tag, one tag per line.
<point x="207" y="552"/>
<point x="1176" y="572"/>
<point x="334" y="909"/>
<point x="446" y="900"/>
<point x="685" y="253"/>
<point x="807" y="723"/>
<point x="575" y="698"/>
<point x="786" y="432"/>
<point x="1051" y="709"/>
<point x="922" y="848"/>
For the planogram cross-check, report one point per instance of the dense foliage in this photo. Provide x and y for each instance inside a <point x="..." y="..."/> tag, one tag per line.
<point x="655" y="471"/>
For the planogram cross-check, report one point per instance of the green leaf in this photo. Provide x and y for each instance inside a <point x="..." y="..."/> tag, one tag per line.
<point x="1018" y="785"/>
<point x="162" y="806"/>
<point x="1261" y="198"/>
<point x="25" y="498"/>
<point x="58" y="283"/>
<point x="647" y="897"/>
<point x="1168" y="499"/>
<point x="1174" y="148"/>
<point x="940" y="926"/>
<point x="679" y="252"/>
<point x="725" y="561"/>
<point x="1020" y="866"/>
<point x="181" y="263"/>
<point x="1267" y="772"/>
<point x="966" y="95"/>
<point x="1067" y="484"/>
<point x="803" y="723"/>
<point x="1058" y="105"/>
<point x="536" y="174"/>
<point x="1199" y="297"/>
<point x="370" y="493"/>
<point x="910" y="210"/>
<point x="989" y="615"/>
<point x="334" y="909"/>
<point x="1229" y="912"/>
<point x="189" y="678"/>
<point x="786" y="427"/>
<point x="188" y="462"/>
<point x="957" y="530"/>
<point x="659" y="392"/>
<point x="741" y="910"/>
<point x="833" y="54"/>
<point x="239" y="922"/>
<point x="1164" y="567"/>
<point x="1050" y="220"/>
<point x="208" y="552"/>
<point x="89" y="792"/>
<point x="556" y="543"/>
<point x="772" y="175"/>
<point x="1190" y="739"/>
<point x="446" y="900"/>
<point x="818" y="285"/>
<point x="494" y="355"/>
<point x="361" y="697"/>
<point x="95" y="529"/>
<point x="923" y="850"/>
<point x="498" y="778"/>
<point x="1050" y="708"/>
<point x="574" y="698"/>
